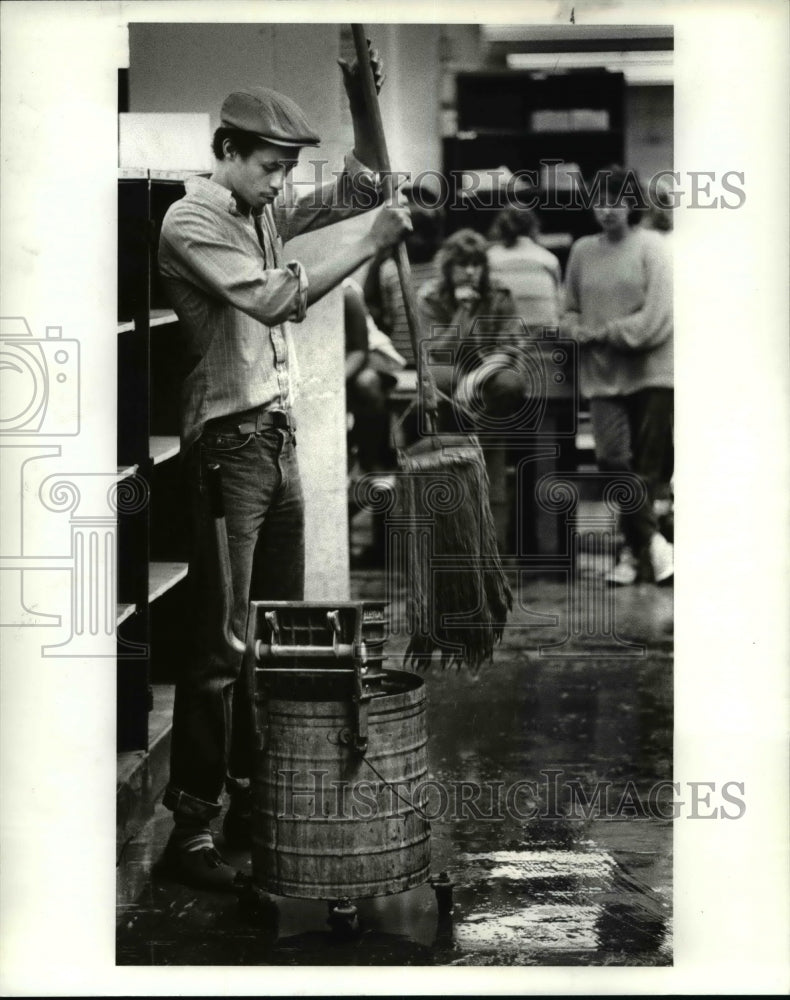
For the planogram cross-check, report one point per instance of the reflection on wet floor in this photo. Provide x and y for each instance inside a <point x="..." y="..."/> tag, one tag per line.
<point x="544" y="873"/>
<point x="560" y="902"/>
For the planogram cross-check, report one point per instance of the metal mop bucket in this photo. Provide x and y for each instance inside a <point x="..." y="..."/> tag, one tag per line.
<point x="342" y="752"/>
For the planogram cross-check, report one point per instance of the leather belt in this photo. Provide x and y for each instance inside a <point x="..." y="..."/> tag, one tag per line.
<point x="253" y="421"/>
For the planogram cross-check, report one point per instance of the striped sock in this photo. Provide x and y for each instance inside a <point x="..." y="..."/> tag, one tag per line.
<point x="191" y="836"/>
<point x="197" y="841"/>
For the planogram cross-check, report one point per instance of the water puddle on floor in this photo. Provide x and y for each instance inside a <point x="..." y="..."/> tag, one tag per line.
<point x="555" y="906"/>
<point x="550" y="926"/>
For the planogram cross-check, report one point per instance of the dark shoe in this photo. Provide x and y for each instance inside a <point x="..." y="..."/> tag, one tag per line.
<point x="202" y="869"/>
<point x="237" y="825"/>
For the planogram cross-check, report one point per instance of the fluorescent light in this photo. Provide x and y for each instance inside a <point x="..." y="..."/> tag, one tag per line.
<point x="648" y="68"/>
<point x="563" y="33"/>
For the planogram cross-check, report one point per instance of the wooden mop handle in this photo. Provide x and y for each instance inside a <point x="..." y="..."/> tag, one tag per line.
<point x="426" y="387"/>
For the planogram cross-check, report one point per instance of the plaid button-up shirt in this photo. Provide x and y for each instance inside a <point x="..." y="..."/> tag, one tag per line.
<point x="233" y="296"/>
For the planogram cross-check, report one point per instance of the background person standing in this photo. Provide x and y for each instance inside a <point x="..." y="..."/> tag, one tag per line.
<point x="618" y="306"/>
<point x="530" y="271"/>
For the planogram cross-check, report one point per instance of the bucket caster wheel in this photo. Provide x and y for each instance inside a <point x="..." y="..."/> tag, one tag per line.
<point x="259" y="908"/>
<point x="443" y="887"/>
<point x="343" y="920"/>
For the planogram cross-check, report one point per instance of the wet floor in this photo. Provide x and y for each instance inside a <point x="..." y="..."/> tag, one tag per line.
<point x="552" y="826"/>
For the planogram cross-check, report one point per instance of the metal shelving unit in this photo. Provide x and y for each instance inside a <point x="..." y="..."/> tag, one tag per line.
<point x="149" y="567"/>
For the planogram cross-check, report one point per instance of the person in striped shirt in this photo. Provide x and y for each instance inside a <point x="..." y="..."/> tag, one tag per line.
<point x="221" y="260"/>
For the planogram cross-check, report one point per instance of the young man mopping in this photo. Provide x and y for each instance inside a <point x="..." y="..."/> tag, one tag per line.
<point x="221" y="259"/>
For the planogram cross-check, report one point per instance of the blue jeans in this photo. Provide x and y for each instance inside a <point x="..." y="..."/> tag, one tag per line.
<point x="213" y="730"/>
<point x="634" y="434"/>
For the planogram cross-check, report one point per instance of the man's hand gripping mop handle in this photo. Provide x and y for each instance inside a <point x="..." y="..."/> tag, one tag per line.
<point x="427" y="387"/>
<point x="217" y="509"/>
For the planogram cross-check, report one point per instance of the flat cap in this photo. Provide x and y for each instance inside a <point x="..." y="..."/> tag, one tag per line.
<point x="270" y="115"/>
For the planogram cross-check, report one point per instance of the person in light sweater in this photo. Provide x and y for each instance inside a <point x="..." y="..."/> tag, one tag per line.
<point x="618" y="306"/>
<point x="531" y="272"/>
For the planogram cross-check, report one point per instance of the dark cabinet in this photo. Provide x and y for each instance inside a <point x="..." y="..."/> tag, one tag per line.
<point x="527" y="122"/>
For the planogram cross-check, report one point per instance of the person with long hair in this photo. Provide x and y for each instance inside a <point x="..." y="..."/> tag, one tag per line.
<point x="618" y="306"/>
<point x="466" y="311"/>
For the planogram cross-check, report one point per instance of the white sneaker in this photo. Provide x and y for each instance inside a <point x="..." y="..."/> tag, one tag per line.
<point x="624" y="573"/>
<point x="662" y="556"/>
<point x="662" y="507"/>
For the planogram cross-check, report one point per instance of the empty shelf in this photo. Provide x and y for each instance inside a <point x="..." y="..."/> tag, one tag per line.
<point x="123" y="612"/>
<point x="162" y="576"/>
<point x="159" y="317"/>
<point x="163" y="447"/>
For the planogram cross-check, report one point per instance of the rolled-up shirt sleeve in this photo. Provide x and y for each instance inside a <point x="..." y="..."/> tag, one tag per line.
<point x="305" y="207"/>
<point x="301" y="306"/>
<point x="192" y="247"/>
